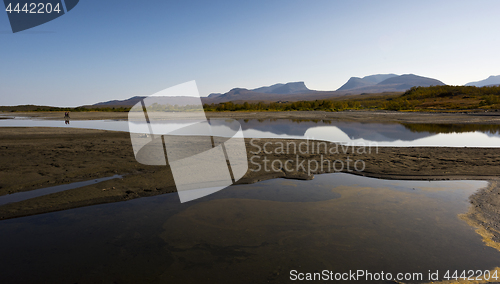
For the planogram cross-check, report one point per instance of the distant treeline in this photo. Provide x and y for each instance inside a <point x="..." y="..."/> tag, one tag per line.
<point x="448" y="97"/>
<point x="71" y="109"/>
<point x="326" y="105"/>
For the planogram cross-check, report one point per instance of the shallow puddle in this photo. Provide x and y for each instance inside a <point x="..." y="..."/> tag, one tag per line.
<point x="253" y="234"/>
<point x="20" y="196"/>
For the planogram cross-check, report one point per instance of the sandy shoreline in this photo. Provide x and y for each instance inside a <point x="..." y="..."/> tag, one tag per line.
<point x="42" y="157"/>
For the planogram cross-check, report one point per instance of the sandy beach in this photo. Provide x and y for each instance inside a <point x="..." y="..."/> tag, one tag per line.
<point x="36" y="158"/>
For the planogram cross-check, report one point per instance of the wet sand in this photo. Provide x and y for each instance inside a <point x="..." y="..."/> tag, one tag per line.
<point x="484" y="214"/>
<point x="35" y="158"/>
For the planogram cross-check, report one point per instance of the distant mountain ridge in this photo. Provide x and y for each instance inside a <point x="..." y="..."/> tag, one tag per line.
<point x="492" y="80"/>
<point x="128" y="102"/>
<point x="356" y="82"/>
<point x="213" y="95"/>
<point x="296" y="91"/>
<point x="288" y="88"/>
<point x="377" y="78"/>
<point x="274" y="92"/>
<point x="387" y="82"/>
<point x="178" y="100"/>
<point x="284" y="89"/>
<point x="412" y="81"/>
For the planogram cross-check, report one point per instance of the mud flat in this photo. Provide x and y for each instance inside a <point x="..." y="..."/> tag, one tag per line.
<point x="34" y="158"/>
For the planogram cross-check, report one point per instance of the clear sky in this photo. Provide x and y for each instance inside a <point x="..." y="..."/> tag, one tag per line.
<point x="116" y="49"/>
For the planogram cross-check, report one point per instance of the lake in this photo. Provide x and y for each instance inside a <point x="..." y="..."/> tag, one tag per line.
<point x="252" y="234"/>
<point x="352" y="133"/>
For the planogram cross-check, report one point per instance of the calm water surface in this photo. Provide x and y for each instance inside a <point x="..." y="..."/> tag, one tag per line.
<point x="353" y="133"/>
<point x="252" y="234"/>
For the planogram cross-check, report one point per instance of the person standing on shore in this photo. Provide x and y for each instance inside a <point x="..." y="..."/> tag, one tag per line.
<point x="66" y="117"/>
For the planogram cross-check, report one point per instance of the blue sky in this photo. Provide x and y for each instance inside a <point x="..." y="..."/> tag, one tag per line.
<point x="116" y="49"/>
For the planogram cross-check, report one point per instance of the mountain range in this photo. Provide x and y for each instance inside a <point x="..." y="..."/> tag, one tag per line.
<point x="283" y="89"/>
<point x="356" y="82"/>
<point x="492" y="80"/>
<point x="387" y="83"/>
<point x="179" y="100"/>
<point x="295" y="91"/>
<point x="276" y="91"/>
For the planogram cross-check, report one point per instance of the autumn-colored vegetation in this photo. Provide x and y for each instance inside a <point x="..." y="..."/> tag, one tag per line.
<point x="447" y="97"/>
